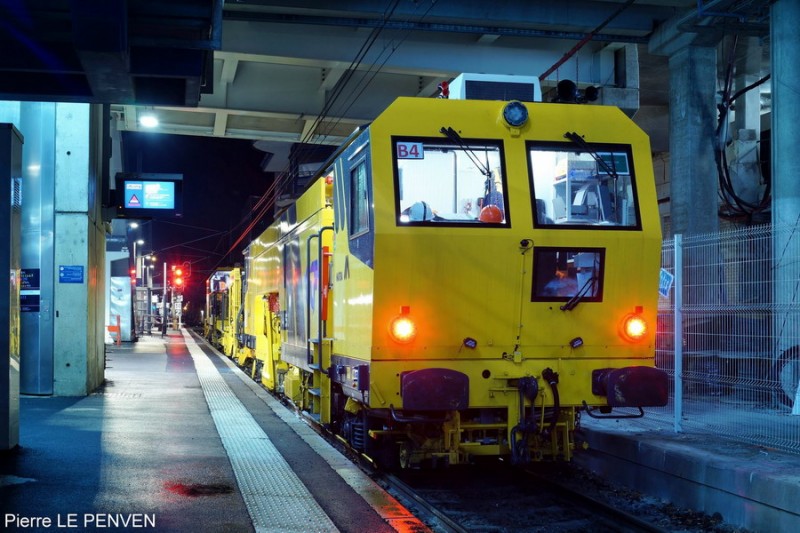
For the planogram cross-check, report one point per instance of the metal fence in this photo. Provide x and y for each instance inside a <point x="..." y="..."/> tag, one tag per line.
<point x="729" y="336"/>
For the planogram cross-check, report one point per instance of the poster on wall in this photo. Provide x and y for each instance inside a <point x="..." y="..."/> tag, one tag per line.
<point x="30" y="290"/>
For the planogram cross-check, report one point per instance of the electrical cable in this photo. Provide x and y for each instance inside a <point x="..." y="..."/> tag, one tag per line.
<point x="267" y="200"/>
<point x="586" y="39"/>
<point x="734" y="206"/>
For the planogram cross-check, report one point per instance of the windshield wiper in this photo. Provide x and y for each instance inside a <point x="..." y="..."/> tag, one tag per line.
<point x="453" y="135"/>
<point x="577" y="139"/>
<point x="573" y="302"/>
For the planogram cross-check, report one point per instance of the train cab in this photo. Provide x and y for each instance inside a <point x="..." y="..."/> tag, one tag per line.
<point x="464" y="278"/>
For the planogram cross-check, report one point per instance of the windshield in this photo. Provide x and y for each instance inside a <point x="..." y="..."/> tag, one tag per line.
<point x="592" y="186"/>
<point x="440" y="182"/>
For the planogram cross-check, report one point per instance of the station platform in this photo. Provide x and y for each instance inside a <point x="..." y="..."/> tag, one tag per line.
<point x="180" y="439"/>
<point x="749" y="486"/>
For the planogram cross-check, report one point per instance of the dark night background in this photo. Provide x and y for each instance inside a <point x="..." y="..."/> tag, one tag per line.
<point x="222" y="179"/>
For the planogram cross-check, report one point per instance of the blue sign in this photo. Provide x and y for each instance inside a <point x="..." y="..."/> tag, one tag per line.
<point x="665" y="280"/>
<point x="70" y="274"/>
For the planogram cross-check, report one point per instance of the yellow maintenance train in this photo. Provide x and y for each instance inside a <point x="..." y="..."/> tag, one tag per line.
<point x="463" y="278"/>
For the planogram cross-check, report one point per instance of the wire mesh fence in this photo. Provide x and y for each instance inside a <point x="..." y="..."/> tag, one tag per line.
<point x="728" y="335"/>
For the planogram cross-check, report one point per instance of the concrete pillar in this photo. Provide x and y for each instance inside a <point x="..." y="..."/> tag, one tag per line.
<point x="692" y="127"/>
<point x="785" y="49"/>
<point x="693" y="115"/>
<point x="785" y="42"/>
<point x="79" y="252"/>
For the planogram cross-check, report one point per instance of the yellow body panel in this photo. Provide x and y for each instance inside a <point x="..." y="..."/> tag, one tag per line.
<point x="281" y="311"/>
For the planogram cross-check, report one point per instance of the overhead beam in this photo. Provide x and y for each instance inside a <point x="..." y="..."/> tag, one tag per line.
<point x="515" y="18"/>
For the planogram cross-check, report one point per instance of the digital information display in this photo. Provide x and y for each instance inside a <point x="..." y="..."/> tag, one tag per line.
<point x="149" y="195"/>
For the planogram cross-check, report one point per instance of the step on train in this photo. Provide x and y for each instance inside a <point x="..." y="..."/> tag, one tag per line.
<point x="462" y="279"/>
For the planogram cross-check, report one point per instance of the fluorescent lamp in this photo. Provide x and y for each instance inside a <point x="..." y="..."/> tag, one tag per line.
<point x="148" y="121"/>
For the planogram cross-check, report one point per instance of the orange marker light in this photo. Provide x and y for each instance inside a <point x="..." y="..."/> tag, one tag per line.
<point x="634" y="328"/>
<point x="402" y="328"/>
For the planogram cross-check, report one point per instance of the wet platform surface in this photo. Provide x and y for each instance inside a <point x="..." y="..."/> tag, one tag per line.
<point x="178" y="439"/>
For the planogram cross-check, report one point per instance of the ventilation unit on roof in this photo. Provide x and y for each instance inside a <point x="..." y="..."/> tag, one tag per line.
<point x="496" y="87"/>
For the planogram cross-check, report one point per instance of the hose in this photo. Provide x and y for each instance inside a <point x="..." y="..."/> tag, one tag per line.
<point x="552" y="379"/>
<point x="528" y="388"/>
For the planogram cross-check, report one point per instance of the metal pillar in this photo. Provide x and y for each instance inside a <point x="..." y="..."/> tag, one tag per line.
<point x="10" y="185"/>
<point x="164" y="304"/>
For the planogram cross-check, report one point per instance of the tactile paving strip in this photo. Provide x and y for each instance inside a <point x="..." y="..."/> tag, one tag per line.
<point x="275" y="497"/>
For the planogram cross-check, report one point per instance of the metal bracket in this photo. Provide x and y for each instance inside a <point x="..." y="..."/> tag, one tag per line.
<point x="589" y="411"/>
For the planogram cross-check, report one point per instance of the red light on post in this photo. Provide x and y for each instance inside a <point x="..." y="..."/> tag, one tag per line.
<point x="177" y="277"/>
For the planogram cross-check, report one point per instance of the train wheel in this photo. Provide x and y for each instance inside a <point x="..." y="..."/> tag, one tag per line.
<point x="787" y="372"/>
<point x="258" y="365"/>
<point x="354" y="432"/>
<point x="404" y="455"/>
<point x="384" y="452"/>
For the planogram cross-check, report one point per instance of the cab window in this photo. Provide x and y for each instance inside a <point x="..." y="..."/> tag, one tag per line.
<point x="359" y="207"/>
<point x="583" y="187"/>
<point x="568" y="274"/>
<point x="439" y="182"/>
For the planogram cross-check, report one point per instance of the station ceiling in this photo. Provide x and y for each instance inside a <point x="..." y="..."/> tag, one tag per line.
<point x="282" y="72"/>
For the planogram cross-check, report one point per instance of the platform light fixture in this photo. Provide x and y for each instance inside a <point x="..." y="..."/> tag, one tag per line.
<point x="148" y="120"/>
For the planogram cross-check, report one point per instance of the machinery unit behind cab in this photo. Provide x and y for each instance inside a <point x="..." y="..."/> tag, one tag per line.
<point x="462" y="279"/>
<point x="223" y="309"/>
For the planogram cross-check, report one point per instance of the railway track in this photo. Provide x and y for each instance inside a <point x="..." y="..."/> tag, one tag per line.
<point x="497" y="498"/>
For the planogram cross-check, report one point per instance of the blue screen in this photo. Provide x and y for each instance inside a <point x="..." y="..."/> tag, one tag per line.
<point x="149" y="195"/>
